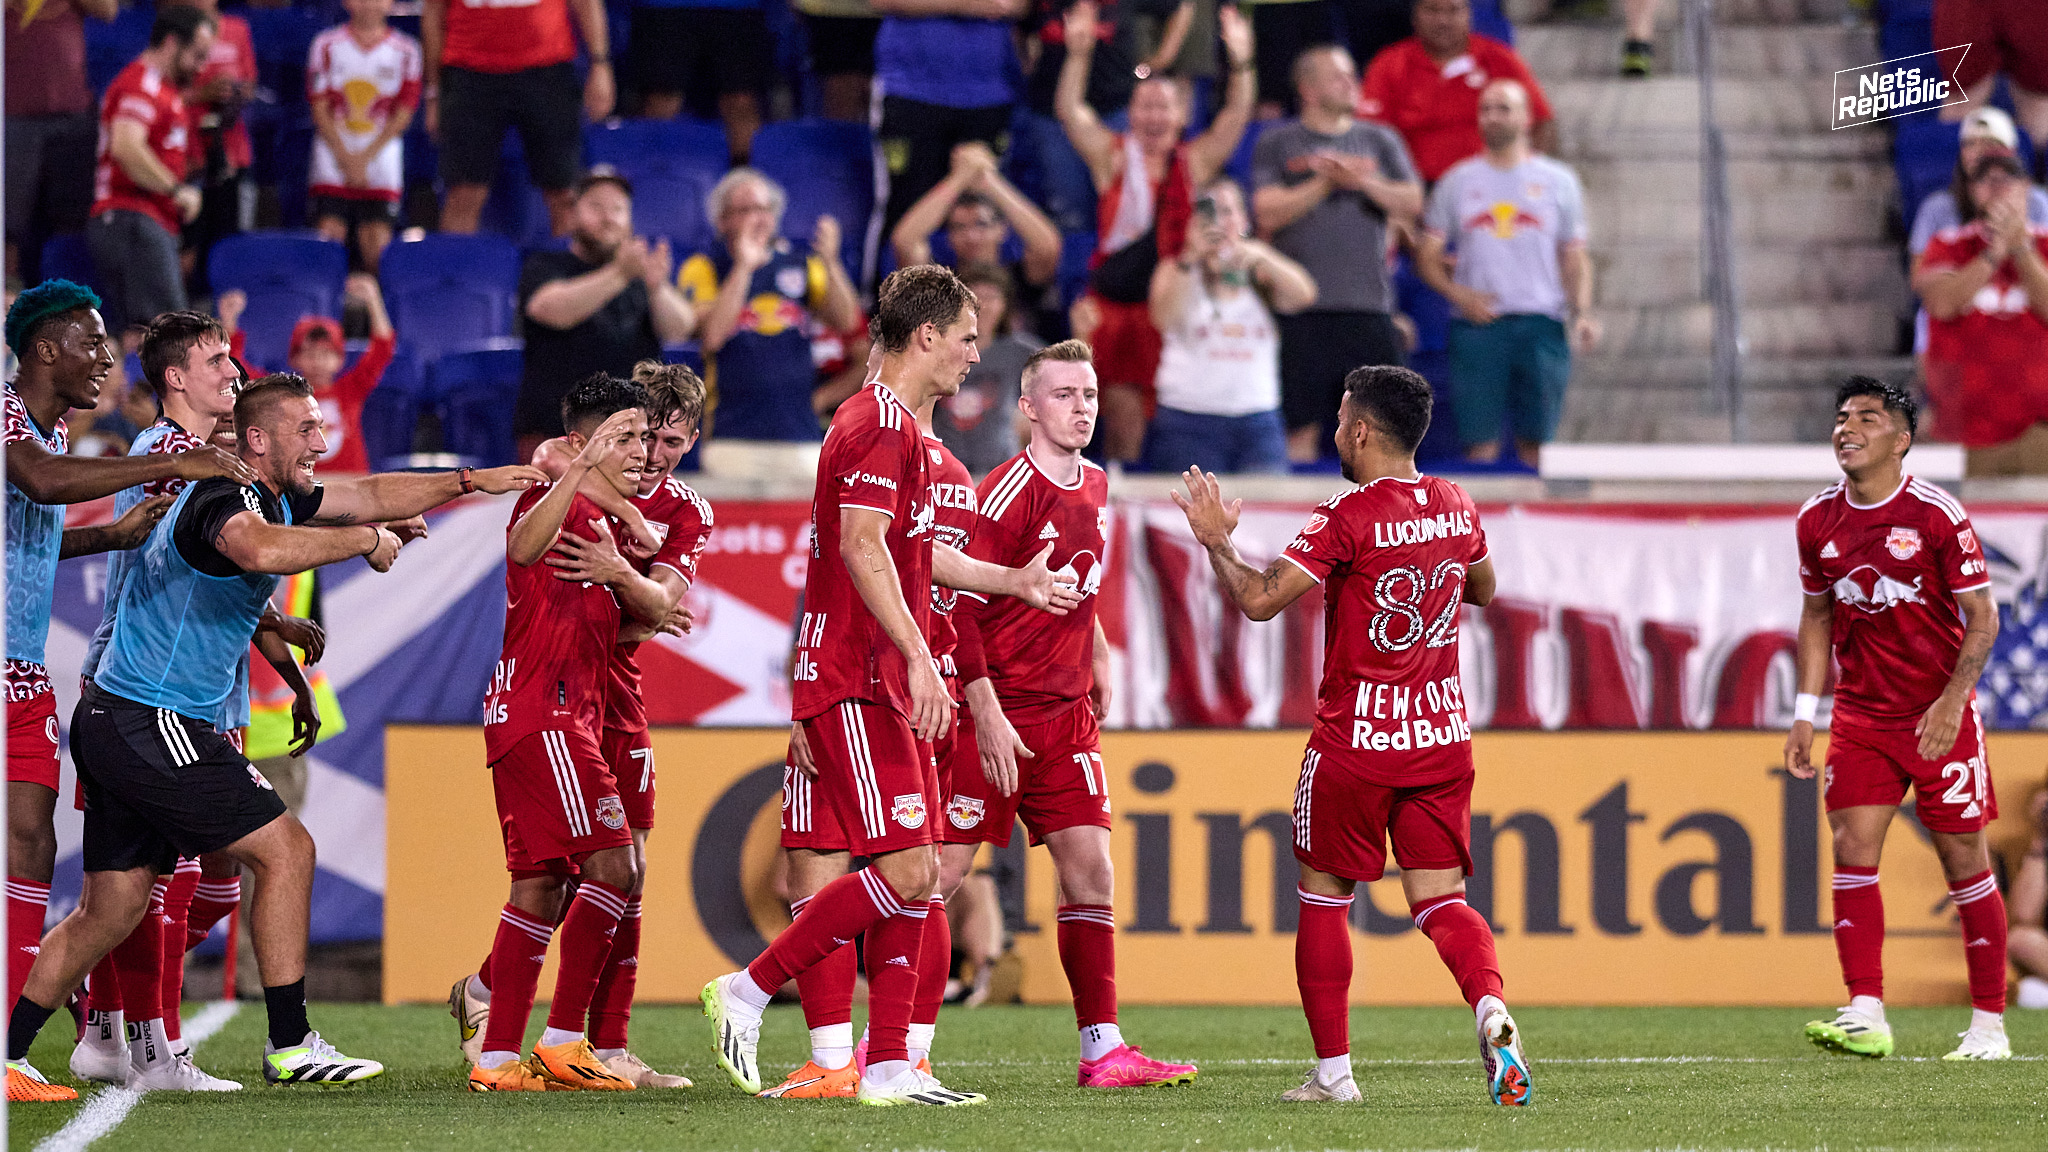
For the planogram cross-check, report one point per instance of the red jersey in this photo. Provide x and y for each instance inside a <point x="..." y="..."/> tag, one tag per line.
<point x="1041" y="663"/>
<point x="873" y="458"/>
<point x="140" y="93"/>
<point x="233" y="54"/>
<point x="1391" y="556"/>
<point x="1985" y="371"/>
<point x="1893" y="570"/>
<point x="559" y="635"/>
<point x="507" y="35"/>
<point x="1435" y="107"/>
<point x="683" y="519"/>
<point x="953" y="526"/>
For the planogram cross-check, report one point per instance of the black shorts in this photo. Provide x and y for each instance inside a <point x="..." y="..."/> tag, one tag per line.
<point x="1281" y="32"/>
<point x="355" y="212"/>
<point x="703" y="53"/>
<point x="545" y="104"/>
<point x="1319" y="349"/>
<point x="842" y="45"/>
<point x="159" y="785"/>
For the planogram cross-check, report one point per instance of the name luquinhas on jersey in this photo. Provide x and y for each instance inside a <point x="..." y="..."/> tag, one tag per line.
<point x="1402" y="717"/>
<point x="1421" y="529"/>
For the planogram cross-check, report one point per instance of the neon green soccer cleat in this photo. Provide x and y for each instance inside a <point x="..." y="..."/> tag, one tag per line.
<point x="1852" y="1033"/>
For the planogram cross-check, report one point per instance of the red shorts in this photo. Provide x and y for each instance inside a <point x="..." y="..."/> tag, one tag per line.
<point x="1342" y="821"/>
<point x="1874" y="766"/>
<point x="1126" y="348"/>
<point x="1061" y="785"/>
<point x="32" y="740"/>
<point x="631" y="756"/>
<point x="874" y="775"/>
<point x="807" y="821"/>
<point x="2004" y="36"/>
<point x="557" y="802"/>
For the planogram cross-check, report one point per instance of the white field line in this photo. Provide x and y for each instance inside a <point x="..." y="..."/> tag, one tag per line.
<point x="105" y="1110"/>
<point x="1305" y="1061"/>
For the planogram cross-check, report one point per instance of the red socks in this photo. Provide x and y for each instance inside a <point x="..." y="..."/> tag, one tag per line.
<point x="516" y="956"/>
<point x="1322" y="969"/>
<point x="934" y="964"/>
<point x="28" y="901"/>
<point x="1982" y="908"/>
<point x="827" y="986"/>
<point x="1859" y="932"/>
<point x="212" y="900"/>
<point x="895" y="948"/>
<point x="611" y="1008"/>
<point x="139" y="962"/>
<point x="177" y="913"/>
<point x="1463" y="940"/>
<point x="1087" y="940"/>
<point x="840" y="911"/>
<point x="103" y="990"/>
<point x="588" y="932"/>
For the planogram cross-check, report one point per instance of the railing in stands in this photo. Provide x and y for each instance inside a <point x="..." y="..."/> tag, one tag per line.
<point x="1717" y="231"/>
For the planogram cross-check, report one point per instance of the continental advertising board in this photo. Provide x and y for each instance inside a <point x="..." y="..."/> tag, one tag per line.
<point x="1617" y="868"/>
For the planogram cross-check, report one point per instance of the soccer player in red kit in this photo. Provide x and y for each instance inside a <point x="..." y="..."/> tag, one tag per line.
<point x="1898" y="595"/>
<point x="1037" y="687"/>
<point x="1390" y="756"/>
<point x="558" y="803"/>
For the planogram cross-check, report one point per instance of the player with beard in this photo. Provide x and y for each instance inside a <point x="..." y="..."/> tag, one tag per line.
<point x="1390" y="756"/>
<point x="1898" y="594"/>
<point x="65" y="356"/>
<point x="679" y="522"/>
<point x="188" y="610"/>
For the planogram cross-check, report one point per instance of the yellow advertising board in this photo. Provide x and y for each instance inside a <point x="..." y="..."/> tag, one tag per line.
<point x="1617" y="868"/>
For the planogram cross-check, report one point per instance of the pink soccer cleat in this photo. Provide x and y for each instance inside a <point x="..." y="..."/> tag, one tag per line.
<point x="1127" y="1067"/>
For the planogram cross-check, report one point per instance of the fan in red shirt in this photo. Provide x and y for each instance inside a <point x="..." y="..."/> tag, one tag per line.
<point x="1898" y="594"/>
<point x="1390" y="757"/>
<point x="1985" y="285"/>
<point x="1427" y="87"/>
<point x="557" y="801"/>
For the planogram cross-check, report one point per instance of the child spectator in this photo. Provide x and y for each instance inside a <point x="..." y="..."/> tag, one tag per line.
<point x="363" y="82"/>
<point x="317" y="354"/>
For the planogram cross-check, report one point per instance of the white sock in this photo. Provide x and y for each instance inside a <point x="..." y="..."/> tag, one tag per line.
<point x="921" y="1041"/>
<point x="610" y="1053"/>
<point x="549" y="1037"/>
<point x="832" y="1046"/>
<point x="747" y="994"/>
<point x="883" y="1073"/>
<point x="106" y="1029"/>
<point x="496" y="1059"/>
<point x="1980" y="1021"/>
<point x="1487" y="1005"/>
<point x="148" y="1047"/>
<point x="1330" y="1069"/>
<point x="477" y="991"/>
<point x="1099" y="1040"/>
<point x="1870" y="1006"/>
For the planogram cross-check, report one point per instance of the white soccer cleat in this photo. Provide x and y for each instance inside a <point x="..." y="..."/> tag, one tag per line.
<point x="315" y="1061"/>
<point x="1983" y="1044"/>
<point x="2033" y="992"/>
<point x="914" y="1087"/>
<point x="178" y="1074"/>
<point x="1852" y="1032"/>
<point x="472" y="1017"/>
<point x="1500" y="1050"/>
<point x="736" y="1034"/>
<point x="1343" y="1090"/>
<point x="102" y="1053"/>
<point x="632" y="1069"/>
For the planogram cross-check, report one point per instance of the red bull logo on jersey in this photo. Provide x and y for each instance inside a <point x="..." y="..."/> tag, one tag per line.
<point x="923" y="517"/>
<point x="611" y="813"/>
<point x="965" y="812"/>
<point x="1392" y="533"/>
<point x="1084" y="572"/>
<point x="1873" y="591"/>
<point x="1401" y="717"/>
<point x="908" y="810"/>
<point x="1903" y="543"/>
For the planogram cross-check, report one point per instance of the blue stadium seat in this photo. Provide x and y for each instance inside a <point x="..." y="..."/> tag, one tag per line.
<point x="1489" y="20"/>
<point x="65" y="256"/>
<point x="516" y="209"/>
<point x="447" y="292"/>
<point x="1420" y="303"/>
<point x="283" y="37"/>
<point x="1924" y="155"/>
<point x="827" y="167"/>
<point x="1905" y="28"/>
<point x="672" y="164"/>
<point x="287" y="275"/>
<point x="112" y="45"/>
<point x="1239" y="166"/>
<point x="476" y="392"/>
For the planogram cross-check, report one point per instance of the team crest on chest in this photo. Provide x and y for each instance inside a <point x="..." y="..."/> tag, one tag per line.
<point x="790" y="282"/>
<point x="908" y="810"/>
<point x="965" y="812"/>
<point x="1903" y="543"/>
<point x="611" y="813"/>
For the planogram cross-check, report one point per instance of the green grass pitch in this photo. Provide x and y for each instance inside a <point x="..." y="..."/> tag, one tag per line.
<point x="1694" y="1078"/>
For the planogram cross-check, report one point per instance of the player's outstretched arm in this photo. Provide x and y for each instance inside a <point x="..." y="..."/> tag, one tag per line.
<point x="599" y="561"/>
<point x="1816" y="644"/>
<point x="256" y="545"/>
<point x="1944" y="718"/>
<point x="553" y="457"/>
<point x="128" y="532"/>
<point x="305" y="709"/>
<point x="1259" y="595"/>
<point x="47" y="478"/>
<point x="535" y="533"/>
<point x="873" y="571"/>
<point x="403" y="495"/>
<point x="1033" y="583"/>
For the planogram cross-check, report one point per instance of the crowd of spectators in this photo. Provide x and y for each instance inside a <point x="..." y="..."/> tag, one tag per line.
<point x="1215" y="198"/>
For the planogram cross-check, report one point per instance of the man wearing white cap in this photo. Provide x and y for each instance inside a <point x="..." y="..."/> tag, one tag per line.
<point x="1984" y="132"/>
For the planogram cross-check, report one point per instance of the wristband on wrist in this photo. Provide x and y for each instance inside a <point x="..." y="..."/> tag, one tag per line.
<point x="462" y="477"/>
<point x="1805" y="706"/>
<point x="596" y="60"/>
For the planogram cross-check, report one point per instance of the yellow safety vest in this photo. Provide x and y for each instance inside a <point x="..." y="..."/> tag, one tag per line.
<point x="270" y="698"/>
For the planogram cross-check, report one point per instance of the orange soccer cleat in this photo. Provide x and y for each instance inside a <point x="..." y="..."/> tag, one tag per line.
<point x="575" y="1065"/>
<point x="517" y="1076"/>
<point x="811" y="1082"/>
<point x="25" y="1085"/>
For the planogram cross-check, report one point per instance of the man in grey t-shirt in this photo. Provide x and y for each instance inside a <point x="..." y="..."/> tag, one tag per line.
<point x="1326" y="186"/>
<point x="1518" y="222"/>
